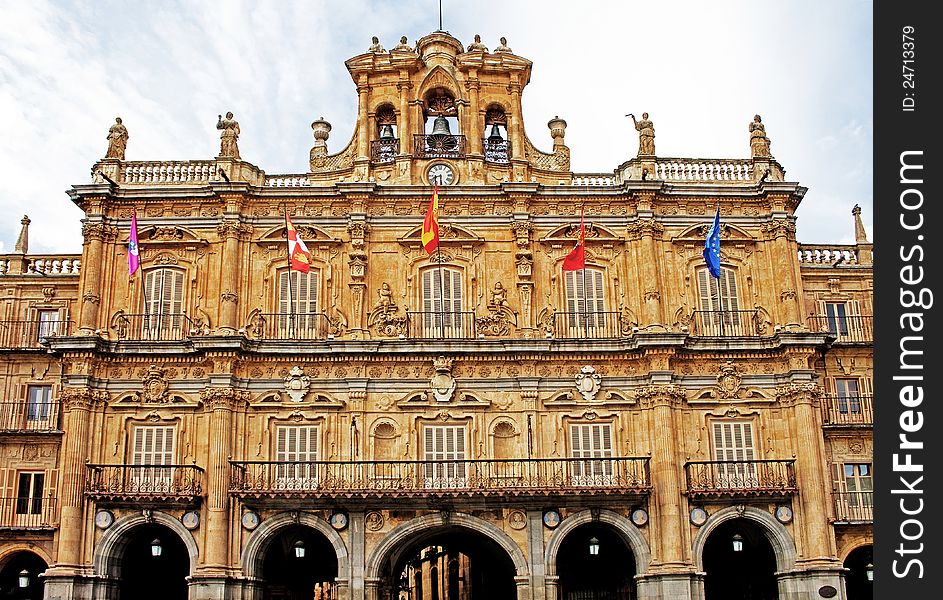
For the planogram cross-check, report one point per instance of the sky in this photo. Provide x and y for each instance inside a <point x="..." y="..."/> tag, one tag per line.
<point x="700" y="69"/>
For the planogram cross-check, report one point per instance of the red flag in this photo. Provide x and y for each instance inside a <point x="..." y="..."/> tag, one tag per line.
<point x="576" y="259"/>
<point x="430" y="226"/>
<point x="298" y="255"/>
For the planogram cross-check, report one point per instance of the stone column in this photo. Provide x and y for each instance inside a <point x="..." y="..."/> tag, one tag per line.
<point x="784" y="260"/>
<point x="647" y="230"/>
<point x="405" y="123"/>
<point x="231" y="267"/>
<point x="357" y="556"/>
<point x="475" y="125"/>
<point x="515" y="134"/>
<point x="94" y="234"/>
<point x="535" y="545"/>
<point x="363" y="133"/>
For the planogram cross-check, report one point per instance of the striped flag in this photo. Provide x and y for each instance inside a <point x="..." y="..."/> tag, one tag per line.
<point x="298" y="255"/>
<point x="134" y="253"/>
<point x="430" y="226"/>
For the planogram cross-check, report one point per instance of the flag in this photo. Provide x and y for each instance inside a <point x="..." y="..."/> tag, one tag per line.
<point x="134" y="253"/>
<point x="576" y="259"/>
<point x="430" y="226"/>
<point x="712" y="247"/>
<point x="299" y="258"/>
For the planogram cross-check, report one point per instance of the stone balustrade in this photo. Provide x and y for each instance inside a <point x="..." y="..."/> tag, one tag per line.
<point x="703" y="169"/>
<point x="287" y="181"/>
<point x="164" y="172"/>
<point x="831" y="255"/>
<point x="46" y="265"/>
<point x="594" y="179"/>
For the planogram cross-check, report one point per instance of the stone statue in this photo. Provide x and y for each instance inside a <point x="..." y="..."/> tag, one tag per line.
<point x="402" y="46"/>
<point x="386" y="298"/>
<point x="759" y="143"/>
<point x="317" y="592"/>
<point x="117" y="140"/>
<point x="499" y="296"/>
<point x="228" y="148"/>
<point x="375" y="47"/>
<point x="477" y="46"/>
<point x="646" y="135"/>
<point x="503" y="46"/>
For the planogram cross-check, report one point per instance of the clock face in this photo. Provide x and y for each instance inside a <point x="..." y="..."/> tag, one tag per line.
<point x="440" y="174"/>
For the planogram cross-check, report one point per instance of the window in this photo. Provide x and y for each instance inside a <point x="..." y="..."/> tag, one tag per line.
<point x="585" y="305"/>
<point x="837" y="318"/>
<point x="442" y="312"/>
<point x="153" y="447"/>
<point x="859" y="484"/>
<point x="445" y="443"/>
<point x="39" y="402"/>
<point x="163" y="302"/>
<point x="296" y="449"/>
<point x="847" y="396"/>
<point x="29" y="493"/>
<point x="733" y="449"/>
<point x="48" y="323"/>
<point x="298" y="308"/>
<point x="591" y="441"/>
<point x="720" y="304"/>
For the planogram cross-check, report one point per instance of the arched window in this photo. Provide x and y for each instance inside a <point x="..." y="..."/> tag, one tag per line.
<point x="442" y="314"/>
<point x="163" y="304"/>
<point x="719" y="304"/>
<point x="385" y="147"/>
<point x="299" y="314"/>
<point x="496" y="144"/>
<point x="585" y="314"/>
<point x="441" y="131"/>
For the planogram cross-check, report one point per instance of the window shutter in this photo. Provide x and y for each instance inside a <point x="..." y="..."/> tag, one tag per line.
<point x="704" y="290"/>
<point x="733" y="441"/>
<point x="153" y="445"/>
<point x="283" y="295"/>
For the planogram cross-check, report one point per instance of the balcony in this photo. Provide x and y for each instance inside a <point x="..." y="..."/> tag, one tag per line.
<point x="145" y="483"/>
<point x="726" y="323"/>
<point x="741" y="479"/>
<point x="497" y="151"/>
<point x="285" y="326"/>
<point x="25" y="417"/>
<point x="847" y="410"/>
<point x="28" y="513"/>
<point x="156" y="327"/>
<point x="441" y="325"/>
<point x="16" y="335"/>
<point x="854" y="507"/>
<point x="384" y="150"/>
<point x="439" y="145"/>
<point x="589" y="325"/>
<point x="445" y="478"/>
<point x="845" y="329"/>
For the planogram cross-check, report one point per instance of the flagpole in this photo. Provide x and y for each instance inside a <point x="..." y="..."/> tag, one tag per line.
<point x="134" y="216"/>
<point x="438" y="249"/>
<point x="583" y="270"/>
<point x="291" y="302"/>
<point x="720" y="269"/>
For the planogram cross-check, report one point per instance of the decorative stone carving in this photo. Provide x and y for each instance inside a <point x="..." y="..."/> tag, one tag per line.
<point x="503" y="46"/>
<point x="791" y="393"/>
<point x="229" y="136"/>
<point x="442" y="383"/>
<point x="402" y="46"/>
<point x="651" y="394"/>
<point x="154" y="386"/>
<point x="588" y="382"/>
<point x="729" y="381"/>
<point x="297" y="384"/>
<point x="82" y="398"/>
<point x="646" y="135"/>
<point x="117" y="140"/>
<point x="227" y="397"/>
<point x="477" y="46"/>
<point x="497" y="323"/>
<point x="387" y="324"/>
<point x="358" y="266"/>
<point x="759" y="143"/>
<point x="525" y="265"/>
<point x="321" y="130"/>
<point x="373" y="520"/>
<point x="385" y="301"/>
<point x="375" y="46"/>
<point x="499" y="297"/>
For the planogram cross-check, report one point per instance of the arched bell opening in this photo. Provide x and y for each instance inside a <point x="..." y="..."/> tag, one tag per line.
<point x="299" y="563"/>
<point x="739" y="562"/>
<point x="859" y="580"/>
<point x="594" y="563"/>
<point x="20" y="576"/>
<point x="495" y="141"/>
<point x="153" y="564"/>
<point x="441" y="137"/>
<point x="385" y="145"/>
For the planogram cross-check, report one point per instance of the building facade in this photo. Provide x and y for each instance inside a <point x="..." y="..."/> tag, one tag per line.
<point x="398" y="425"/>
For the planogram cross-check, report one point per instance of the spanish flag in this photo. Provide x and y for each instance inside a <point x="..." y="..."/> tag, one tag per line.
<point x="298" y="255"/>
<point x="430" y="226"/>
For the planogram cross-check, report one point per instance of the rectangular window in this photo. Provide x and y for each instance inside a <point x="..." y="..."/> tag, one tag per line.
<point x="29" y="493"/>
<point x="735" y="456"/>
<point x="442" y="312"/>
<point x="296" y="451"/>
<point x="848" y="396"/>
<point x="859" y="483"/>
<point x="152" y="446"/>
<point x="48" y="323"/>
<point x="837" y="318"/>
<point x="591" y="442"/>
<point x="163" y="303"/>
<point x="720" y="305"/>
<point x="585" y="303"/>
<point x="39" y="403"/>
<point x="298" y="307"/>
<point x="444" y="454"/>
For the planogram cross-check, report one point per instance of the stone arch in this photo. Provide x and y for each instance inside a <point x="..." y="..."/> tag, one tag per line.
<point x="16" y="548"/>
<point x="439" y="77"/>
<point x="108" y="552"/>
<point x="408" y="530"/>
<point x="622" y="525"/>
<point x="783" y="545"/>
<point x="254" y="552"/>
<point x="846" y="549"/>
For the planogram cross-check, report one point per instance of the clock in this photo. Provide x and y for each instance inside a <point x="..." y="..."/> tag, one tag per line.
<point x="440" y="173"/>
<point x="190" y="520"/>
<point x="784" y="513"/>
<point x="250" y="520"/>
<point x="698" y="516"/>
<point x="104" y="519"/>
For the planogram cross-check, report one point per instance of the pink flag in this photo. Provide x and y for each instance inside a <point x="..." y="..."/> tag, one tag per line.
<point x="134" y="256"/>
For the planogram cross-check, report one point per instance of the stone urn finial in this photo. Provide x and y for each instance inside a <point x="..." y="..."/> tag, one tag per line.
<point x="321" y="130"/>
<point x="557" y="130"/>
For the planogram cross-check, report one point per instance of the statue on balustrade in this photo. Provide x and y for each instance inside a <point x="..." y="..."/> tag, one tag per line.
<point x="759" y="143"/>
<point x="228" y="147"/>
<point x="503" y="46"/>
<point x="477" y="46"/>
<point x="402" y="46"/>
<point x="117" y="140"/>
<point x="375" y="47"/>
<point x="646" y="135"/>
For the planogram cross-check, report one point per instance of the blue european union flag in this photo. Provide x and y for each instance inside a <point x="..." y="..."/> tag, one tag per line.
<point x="712" y="247"/>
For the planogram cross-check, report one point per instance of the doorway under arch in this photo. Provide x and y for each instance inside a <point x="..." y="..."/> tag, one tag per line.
<point x="299" y="563"/>
<point x="739" y="562"/>
<point x="18" y="569"/>
<point x="858" y="562"/>
<point x="594" y="563"/>
<point x="154" y="564"/>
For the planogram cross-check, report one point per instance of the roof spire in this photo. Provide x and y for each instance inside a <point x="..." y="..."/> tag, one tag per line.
<point x="22" y="242"/>
<point x="861" y="236"/>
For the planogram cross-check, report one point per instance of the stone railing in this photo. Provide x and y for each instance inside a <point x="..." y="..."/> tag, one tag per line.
<point x="184" y="171"/>
<point x="594" y="179"/>
<point x="287" y="181"/>
<point x="703" y="169"/>
<point x="55" y="265"/>
<point x="831" y="255"/>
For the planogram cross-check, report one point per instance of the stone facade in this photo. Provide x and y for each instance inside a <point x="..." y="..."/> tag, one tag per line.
<point x="629" y="363"/>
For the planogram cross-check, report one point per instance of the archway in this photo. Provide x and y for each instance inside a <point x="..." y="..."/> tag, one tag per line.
<point x="739" y="562"/>
<point x="154" y="564"/>
<point x="299" y="563"/>
<point x="859" y="562"/>
<point x="595" y="563"/>
<point x="19" y="576"/>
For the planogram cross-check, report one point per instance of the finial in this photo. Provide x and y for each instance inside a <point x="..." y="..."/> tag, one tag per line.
<point x="861" y="236"/>
<point x="22" y="242"/>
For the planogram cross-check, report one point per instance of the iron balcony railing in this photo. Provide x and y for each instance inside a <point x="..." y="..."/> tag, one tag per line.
<point x="285" y="326"/>
<point x="439" y="145"/>
<point x="847" y="409"/>
<point x="497" y="151"/>
<point x="854" y="507"/>
<point x="441" y="325"/>
<point x="845" y="329"/>
<point x="384" y="150"/>
<point x="151" y="482"/>
<point x="26" y="416"/>
<point x="741" y="478"/>
<point x="376" y="479"/>
<point x="588" y="325"/>
<point x="30" y="334"/>
<point x="726" y="323"/>
<point x="153" y="327"/>
<point x="28" y="513"/>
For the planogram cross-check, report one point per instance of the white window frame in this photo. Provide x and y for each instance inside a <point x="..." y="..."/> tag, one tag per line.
<point x="30" y="503"/>
<point x="719" y="301"/>
<point x="157" y="475"/>
<point x="442" y="315"/>
<point x="585" y="304"/>
<point x="733" y="441"/>
<point x="297" y="448"/>
<point x="299" y="313"/>
<point x="445" y="443"/>
<point x="165" y="295"/>
<point x="592" y="444"/>
<point x="858" y="484"/>
<point x="38" y="404"/>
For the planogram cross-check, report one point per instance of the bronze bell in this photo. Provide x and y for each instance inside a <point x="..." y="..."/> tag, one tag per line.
<point x="386" y="131"/>
<point x="495" y="134"/>
<point x="441" y="126"/>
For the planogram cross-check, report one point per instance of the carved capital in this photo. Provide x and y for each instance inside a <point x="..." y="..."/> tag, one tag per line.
<point x="82" y="398"/>
<point x="98" y="231"/>
<point x="779" y="228"/>
<point x="664" y="394"/>
<point x="645" y="227"/>
<point x="229" y="296"/>
<point x="91" y="297"/>
<point x="223" y="398"/>
<point x="798" y="393"/>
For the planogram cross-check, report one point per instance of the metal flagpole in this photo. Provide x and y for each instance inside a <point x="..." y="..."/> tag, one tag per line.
<point x="583" y="270"/>
<point x="720" y="269"/>
<point x="439" y="260"/>
<point x="140" y="269"/>
<point x="291" y="302"/>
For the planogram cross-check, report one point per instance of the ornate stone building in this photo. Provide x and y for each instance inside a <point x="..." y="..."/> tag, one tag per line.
<point x="475" y="423"/>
